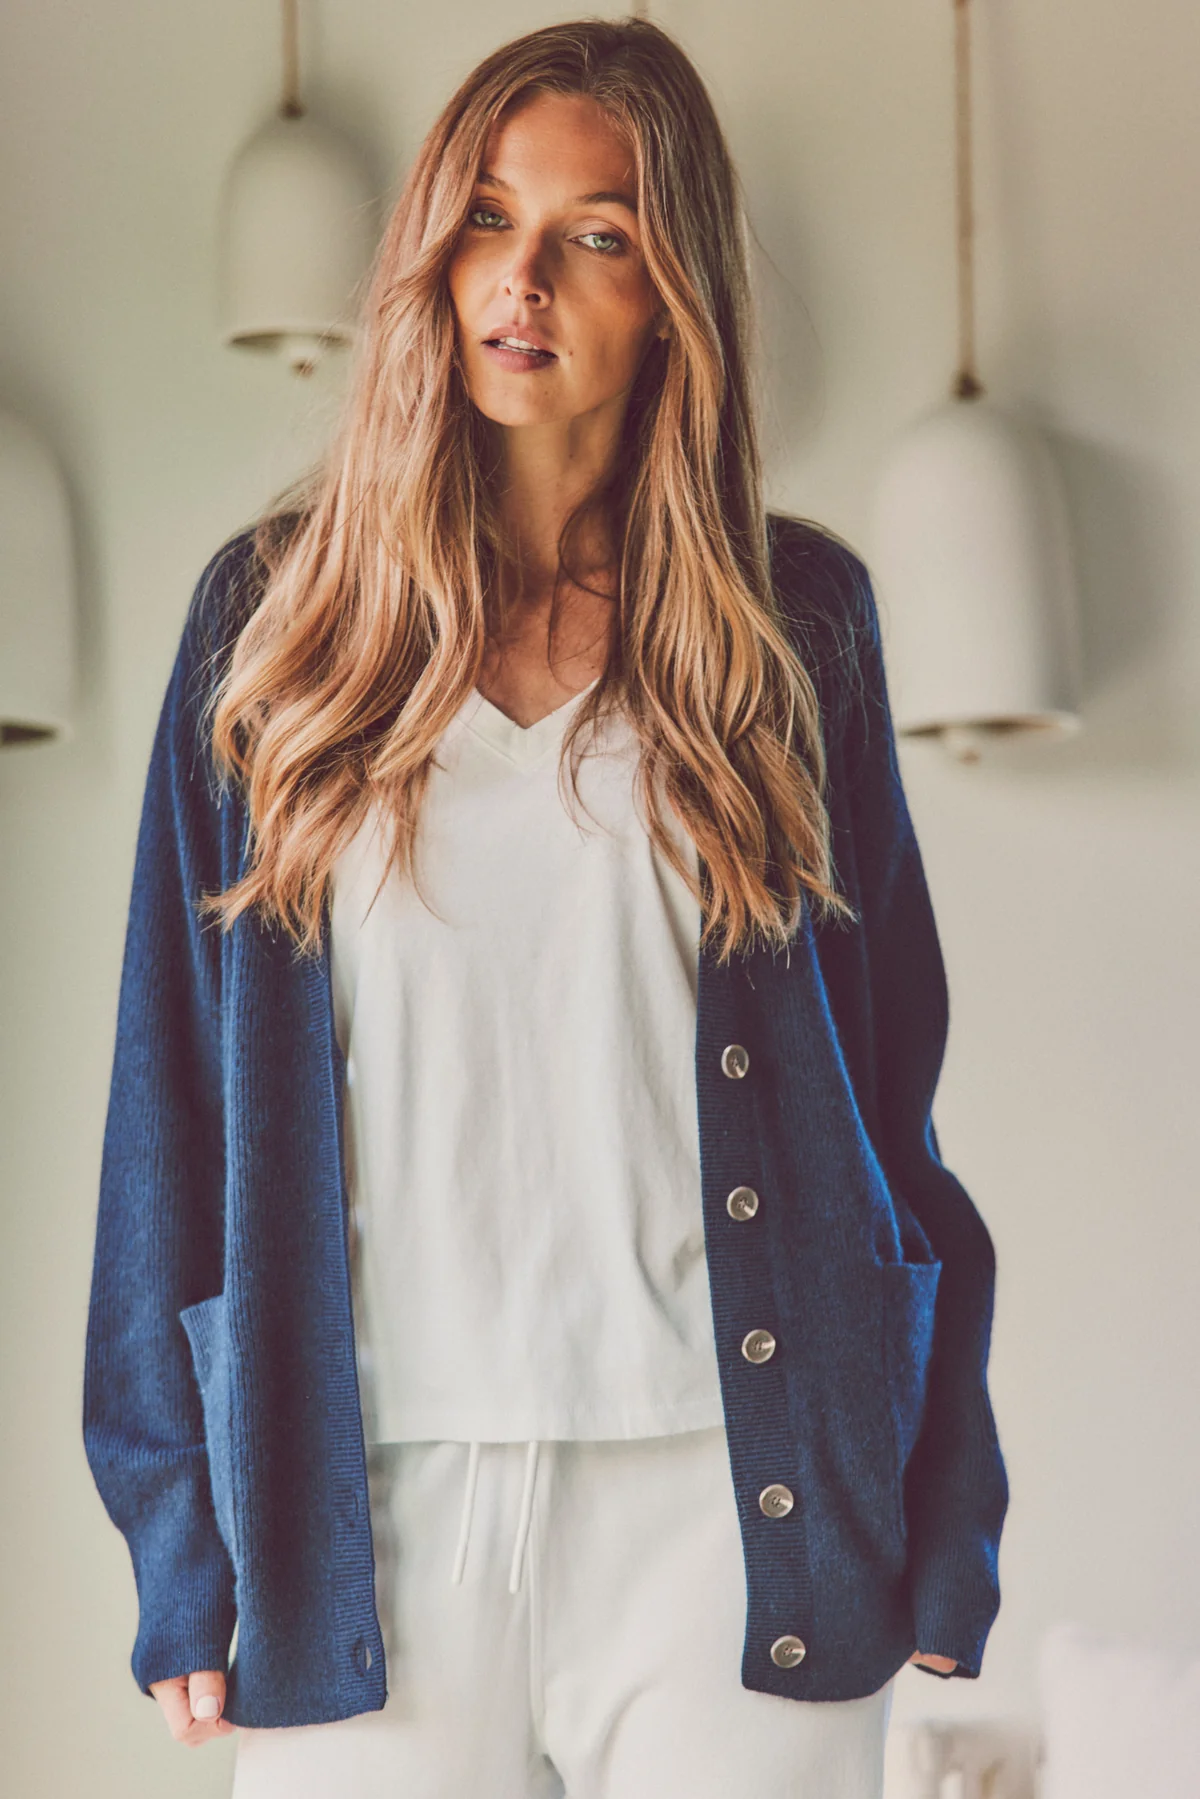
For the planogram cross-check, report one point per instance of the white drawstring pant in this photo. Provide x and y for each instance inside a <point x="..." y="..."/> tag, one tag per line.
<point x="564" y="1620"/>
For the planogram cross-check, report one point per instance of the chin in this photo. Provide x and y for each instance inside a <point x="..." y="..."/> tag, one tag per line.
<point x="513" y="409"/>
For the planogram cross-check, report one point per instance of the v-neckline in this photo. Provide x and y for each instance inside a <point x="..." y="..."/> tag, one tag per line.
<point x="522" y="744"/>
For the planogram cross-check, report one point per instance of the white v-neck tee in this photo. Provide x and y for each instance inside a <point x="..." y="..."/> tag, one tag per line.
<point x="521" y="1134"/>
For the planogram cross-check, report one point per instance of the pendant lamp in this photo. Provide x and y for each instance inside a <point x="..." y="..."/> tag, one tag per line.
<point x="298" y="230"/>
<point x="37" y="591"/>
<point x="970" y="545"/>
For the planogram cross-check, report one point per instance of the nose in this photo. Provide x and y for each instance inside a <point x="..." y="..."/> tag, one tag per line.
<point x="528" y="278"/>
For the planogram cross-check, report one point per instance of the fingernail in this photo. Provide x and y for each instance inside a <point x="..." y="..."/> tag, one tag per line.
<point x="206" y="1708"/>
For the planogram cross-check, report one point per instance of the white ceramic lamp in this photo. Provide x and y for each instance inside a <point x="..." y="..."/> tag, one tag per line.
<point x="973" y="569"/>
<point x="299" y="229"/>
<point x="970" y="544"/>
<point x="37" y="591"/>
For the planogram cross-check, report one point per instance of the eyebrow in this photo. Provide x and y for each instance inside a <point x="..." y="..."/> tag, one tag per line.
<point x="613" y="197"/>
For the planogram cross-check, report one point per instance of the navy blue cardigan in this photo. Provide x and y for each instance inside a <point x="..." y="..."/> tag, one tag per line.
<point x="221" y="1410"/>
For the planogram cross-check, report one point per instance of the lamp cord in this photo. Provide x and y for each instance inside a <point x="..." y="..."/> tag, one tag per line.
<point x="967" y="385"/>
<point x="291" y="105"/>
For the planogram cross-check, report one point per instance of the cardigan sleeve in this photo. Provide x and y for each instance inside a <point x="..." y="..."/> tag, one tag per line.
<point x="956" y="1490"/>
<point x="159" y="1229"/>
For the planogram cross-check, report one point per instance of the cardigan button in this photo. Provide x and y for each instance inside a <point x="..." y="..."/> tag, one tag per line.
<point x="758" y="1346"/>
<point x="787" y="1651"/>
<point x="734" y="1061"/>
<point x="776" y="1501"/>
<point x="742" y="1203"/>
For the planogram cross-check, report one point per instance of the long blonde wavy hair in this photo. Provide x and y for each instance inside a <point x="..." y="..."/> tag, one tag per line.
<point x="381" y="571"/>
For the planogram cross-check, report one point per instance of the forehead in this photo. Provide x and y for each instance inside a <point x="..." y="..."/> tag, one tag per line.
<point x="559" y="142"/>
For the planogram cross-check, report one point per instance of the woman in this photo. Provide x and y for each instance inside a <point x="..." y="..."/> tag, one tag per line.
<point x="526" y="1278"/>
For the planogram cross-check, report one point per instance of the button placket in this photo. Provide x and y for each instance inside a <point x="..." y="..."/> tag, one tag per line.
<point x="775" y="1500"/>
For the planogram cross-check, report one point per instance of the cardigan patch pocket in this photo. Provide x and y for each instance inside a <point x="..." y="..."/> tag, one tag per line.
<point x="909" y="1298"/>
<point x="207" y="1330"/>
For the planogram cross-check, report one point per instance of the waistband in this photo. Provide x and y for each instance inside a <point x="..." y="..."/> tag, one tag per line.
<point x="524" y="1514"/>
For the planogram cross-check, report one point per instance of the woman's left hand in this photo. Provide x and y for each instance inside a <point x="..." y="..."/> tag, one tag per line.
<point x="942" y="1664"/>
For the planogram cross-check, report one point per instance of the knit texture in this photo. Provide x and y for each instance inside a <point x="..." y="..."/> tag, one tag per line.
<point x="221" y="1410"/>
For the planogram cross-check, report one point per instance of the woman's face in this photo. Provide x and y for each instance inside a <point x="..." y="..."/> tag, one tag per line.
<point x="550" y="256"/>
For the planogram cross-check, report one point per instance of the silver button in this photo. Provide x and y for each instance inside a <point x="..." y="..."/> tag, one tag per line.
<point x="787" y="1651"/>
<point x="776" y="1500"/>
<point x="758" y="1346"/>
<point x="734" y="1061"/>
<point x="742" y="1203"/>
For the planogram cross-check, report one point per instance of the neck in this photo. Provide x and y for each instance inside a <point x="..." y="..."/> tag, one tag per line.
<point x="545" y="471"/>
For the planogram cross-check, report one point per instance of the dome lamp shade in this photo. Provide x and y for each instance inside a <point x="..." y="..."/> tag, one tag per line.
<point x="972" y="560"/>
<point x="37" y="591"/>
<point x="970" y="544"/>
<point x="298" y="231"/>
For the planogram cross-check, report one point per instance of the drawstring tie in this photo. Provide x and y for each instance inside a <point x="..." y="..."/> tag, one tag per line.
<point x="525" y="1513"/>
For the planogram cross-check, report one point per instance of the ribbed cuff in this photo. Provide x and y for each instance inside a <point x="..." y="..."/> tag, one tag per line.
<point x="955" y="1601"/>
<point x="190" y="1635"/>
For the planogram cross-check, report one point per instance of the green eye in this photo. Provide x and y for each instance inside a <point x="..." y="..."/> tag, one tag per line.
<point x="483" y="211"/>
<point x="613" y="241"/>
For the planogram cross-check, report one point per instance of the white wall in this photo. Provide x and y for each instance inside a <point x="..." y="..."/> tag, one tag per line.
<point x="1066" y="881"/>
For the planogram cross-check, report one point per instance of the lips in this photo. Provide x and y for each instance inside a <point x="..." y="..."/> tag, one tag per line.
<point x="517" y="355"/>
<point x="522" y="338"/>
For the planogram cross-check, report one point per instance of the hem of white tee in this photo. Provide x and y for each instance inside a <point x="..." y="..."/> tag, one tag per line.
<point x="411" y="1424"/>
